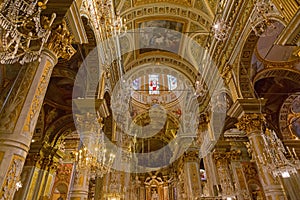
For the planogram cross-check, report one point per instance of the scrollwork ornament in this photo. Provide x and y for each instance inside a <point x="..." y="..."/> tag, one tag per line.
<point x="60" y="42"/>
<point x="251" y="123"/>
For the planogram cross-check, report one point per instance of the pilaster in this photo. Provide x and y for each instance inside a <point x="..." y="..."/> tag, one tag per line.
<point x="191" y="167"/>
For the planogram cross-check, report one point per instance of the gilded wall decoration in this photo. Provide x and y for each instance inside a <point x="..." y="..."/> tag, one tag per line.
<point x="251" y="122"/>
<point x="204" y="7"/>
<point x="180" y="2"/>
<point x="12" y="177"/>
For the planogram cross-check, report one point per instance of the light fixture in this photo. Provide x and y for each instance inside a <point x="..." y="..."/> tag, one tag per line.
<point x="96" y="157"/>
<point x="19" y="185"/>
<point x="23" y="32"/>
<point x="280" y="161"/>
<point x="220" y="29"/>
<point x="261" y="23"/>
<point x="285" y="174"/>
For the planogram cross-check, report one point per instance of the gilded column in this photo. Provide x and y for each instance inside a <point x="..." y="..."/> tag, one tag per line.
<point x="252" y="125"/>
<point x="223" y="161"/>
<point x="19" y="113"/>
<point x="192" y="174"/>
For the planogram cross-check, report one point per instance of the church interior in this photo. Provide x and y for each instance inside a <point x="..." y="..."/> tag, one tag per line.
<point x="149" y="99"/>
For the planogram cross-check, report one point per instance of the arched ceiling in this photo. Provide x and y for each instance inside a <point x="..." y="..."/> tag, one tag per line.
<point x="191" y="18"/>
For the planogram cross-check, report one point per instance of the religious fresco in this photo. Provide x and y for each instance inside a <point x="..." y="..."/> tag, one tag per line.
<point x="160" y="35"/>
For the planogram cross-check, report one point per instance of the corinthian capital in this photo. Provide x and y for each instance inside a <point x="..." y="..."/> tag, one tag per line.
<point x="251" y="122"/>
<point x="60" y="42"/>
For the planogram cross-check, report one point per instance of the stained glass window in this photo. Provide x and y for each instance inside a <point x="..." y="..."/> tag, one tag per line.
<point x="136" y="84"/>
<point x="172" y="82"/>
<point x="153" y="84"/>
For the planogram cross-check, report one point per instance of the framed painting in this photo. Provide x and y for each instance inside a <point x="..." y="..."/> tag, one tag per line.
<point x="163" y="35"/>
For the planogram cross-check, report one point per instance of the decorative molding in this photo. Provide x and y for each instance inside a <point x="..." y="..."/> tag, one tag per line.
<point x="245" y="106"/>
<point x="195" y="16"/>
<point x="251" y="123"/>
<point x="60" y="42"/>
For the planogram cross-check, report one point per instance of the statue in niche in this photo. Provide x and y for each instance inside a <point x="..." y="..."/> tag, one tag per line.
<point x="154" y="195"/>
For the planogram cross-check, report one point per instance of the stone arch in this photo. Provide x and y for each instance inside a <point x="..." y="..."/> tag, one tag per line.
<point x="244" y="71"/>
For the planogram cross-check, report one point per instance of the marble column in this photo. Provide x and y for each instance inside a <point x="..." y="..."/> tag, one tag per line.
<point x="252" y="125"/>
<point x="19" y="113"/>
<point x="98" y="188"/>
<point x="80" y="188"/>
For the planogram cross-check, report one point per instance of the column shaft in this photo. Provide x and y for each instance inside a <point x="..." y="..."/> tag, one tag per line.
<point x="18" y="118"/>
<point x="252" y="124"/>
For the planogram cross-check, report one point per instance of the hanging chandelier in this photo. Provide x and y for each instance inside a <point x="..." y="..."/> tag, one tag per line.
<point x="105" y="18"/>
<point x="261" y="23"/>
<point x="23" y="32"/>
<point x="221" y="29"/>
<point x="280" y="161"/>
<point x="95" y="158"/>
<point x="98" y="162"/>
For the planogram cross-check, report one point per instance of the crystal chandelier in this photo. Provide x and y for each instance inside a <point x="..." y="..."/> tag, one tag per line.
<point x="22" y="31"/>
<point x="105" y="19"/>
<point x="101" y="162"/>
<point x="96" y="159"/>
<point x="261" y="23"/>
<point x="221" y="29"/>
<point x="280" y="161"/>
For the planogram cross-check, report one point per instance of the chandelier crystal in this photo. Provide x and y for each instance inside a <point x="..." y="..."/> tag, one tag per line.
<point x="221" y="29"/>
<point x="261" y="23"/>
<point x="23" y="32"/>
<point x="96" y="158"/>
<point x="280" y="161"/>
<point x="105" y="18"/>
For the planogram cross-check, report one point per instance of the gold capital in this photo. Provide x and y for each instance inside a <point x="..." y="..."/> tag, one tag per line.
<point x="60" y="42"/>
<point x="251" y="122"/>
